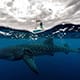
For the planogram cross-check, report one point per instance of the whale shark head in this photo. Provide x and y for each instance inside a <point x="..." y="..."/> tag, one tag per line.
<point x="27" y="52"/>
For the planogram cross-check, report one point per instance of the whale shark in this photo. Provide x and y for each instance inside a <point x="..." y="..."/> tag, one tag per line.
<point x="27" y="52"/>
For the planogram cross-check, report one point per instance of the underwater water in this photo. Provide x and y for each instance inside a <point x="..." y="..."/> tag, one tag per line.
<point x="57" y="67"/>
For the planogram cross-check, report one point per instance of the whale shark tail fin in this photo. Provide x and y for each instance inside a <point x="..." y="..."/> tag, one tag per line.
<point x="31" y="63"/>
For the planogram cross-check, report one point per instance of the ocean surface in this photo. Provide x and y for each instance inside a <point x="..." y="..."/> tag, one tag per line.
<point x="57" y="67"/>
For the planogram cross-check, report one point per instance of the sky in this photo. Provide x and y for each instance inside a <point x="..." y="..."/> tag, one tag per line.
<point x="22" y="14"/>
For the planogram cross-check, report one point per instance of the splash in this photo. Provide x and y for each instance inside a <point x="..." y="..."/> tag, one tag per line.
<point x="59" y="31"/>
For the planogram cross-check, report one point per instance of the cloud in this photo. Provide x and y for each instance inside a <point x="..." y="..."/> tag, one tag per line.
<point x="22" y="14"/>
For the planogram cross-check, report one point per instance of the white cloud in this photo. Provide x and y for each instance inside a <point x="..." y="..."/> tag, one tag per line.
<point x="51" y="12"/>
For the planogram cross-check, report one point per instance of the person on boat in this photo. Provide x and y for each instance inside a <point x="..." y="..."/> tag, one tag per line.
<point x="40" y="24"/>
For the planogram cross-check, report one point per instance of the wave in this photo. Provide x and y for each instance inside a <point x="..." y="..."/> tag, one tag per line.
<point x="59" y="31"/>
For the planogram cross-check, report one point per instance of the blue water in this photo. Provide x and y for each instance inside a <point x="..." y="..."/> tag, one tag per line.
<point x="57" y="67"/>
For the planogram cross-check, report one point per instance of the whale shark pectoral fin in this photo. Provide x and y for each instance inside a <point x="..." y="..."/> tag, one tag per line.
<point x="31" y="63"/>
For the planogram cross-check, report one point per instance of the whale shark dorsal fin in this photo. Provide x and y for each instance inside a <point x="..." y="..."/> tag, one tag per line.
<point x="31" y="63"/>
<point x="66" y="45"/>
<point x="49" y="40"/>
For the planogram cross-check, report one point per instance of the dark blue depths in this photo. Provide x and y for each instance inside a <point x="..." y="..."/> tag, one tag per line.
<point x="57" y="67"/>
